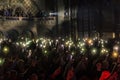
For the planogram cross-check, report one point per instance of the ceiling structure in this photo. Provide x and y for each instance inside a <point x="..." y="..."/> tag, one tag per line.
<point x="78" y="16"/>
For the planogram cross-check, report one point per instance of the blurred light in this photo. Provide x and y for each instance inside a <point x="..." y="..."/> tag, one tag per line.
<point x="66" y="13"/>
<point x="106" y="41"/>
<point x="44" y="46"/>
<point x="118" y="42"/>
<point x="95" y="38"/>
<point x="53" y="14"/>
<point x="24" y="44"/>
<point x="67" y="43"/>
<point x="6" y="49"/>
<point x="102" y="46"/>
<point x="41" y="45"/>
<point x="104" y="51"/>
<point x="50" y="43"/>
<point x="59" y="37"/>
<point x="73" y="53"/>
<point x="37" y="45"/>
<point x="57" y="40"/>
<point x="45" y="51"/>
<point x="115" y="54"/>
<point x="29" y="53"/>
<point x="85" y="39"/>
<point x="63" y="39"/>
<point x="37" y="40"/>
<point x="90" y="42"/>
<point x="113" y="35"/>
<point x="28" y="42"/>
<point x="1" y="40"/>
<point x="71" y="57"/>
<point x="81" y="44"/>
<point x="22" y="38"/>
<point x="83" y="50"/>
<point x="93" y="51"/>
<point x="78" y="39"/>
<point x="1" y="61"/>
<point x="116" y="48"/>
<point x="20" y="42"/>
<point x="17" y="43"/>
<point x="62" y="46"/>
<point x="9" y="40"/>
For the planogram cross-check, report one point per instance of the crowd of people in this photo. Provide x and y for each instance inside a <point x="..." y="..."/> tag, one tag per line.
<point x="58" y="59"/>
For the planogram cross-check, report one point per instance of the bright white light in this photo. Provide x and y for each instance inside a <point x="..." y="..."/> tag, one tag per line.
<point x="63" y="40"/>
<point x="53" y="14"/>
<point x="37" y="40"/>
<point x="41" y="45"/>
<point x="72" y="53"/>
<point x="116" y="47"/>
<point x="62" y="46"/>
<point x="93" y="51"/>
<point x="6" y="49"/>
<point x="24" y="45"/>
<point x="17" y="43"/>
<point x="44" y="46"/>
<point x="57" y="40"/>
